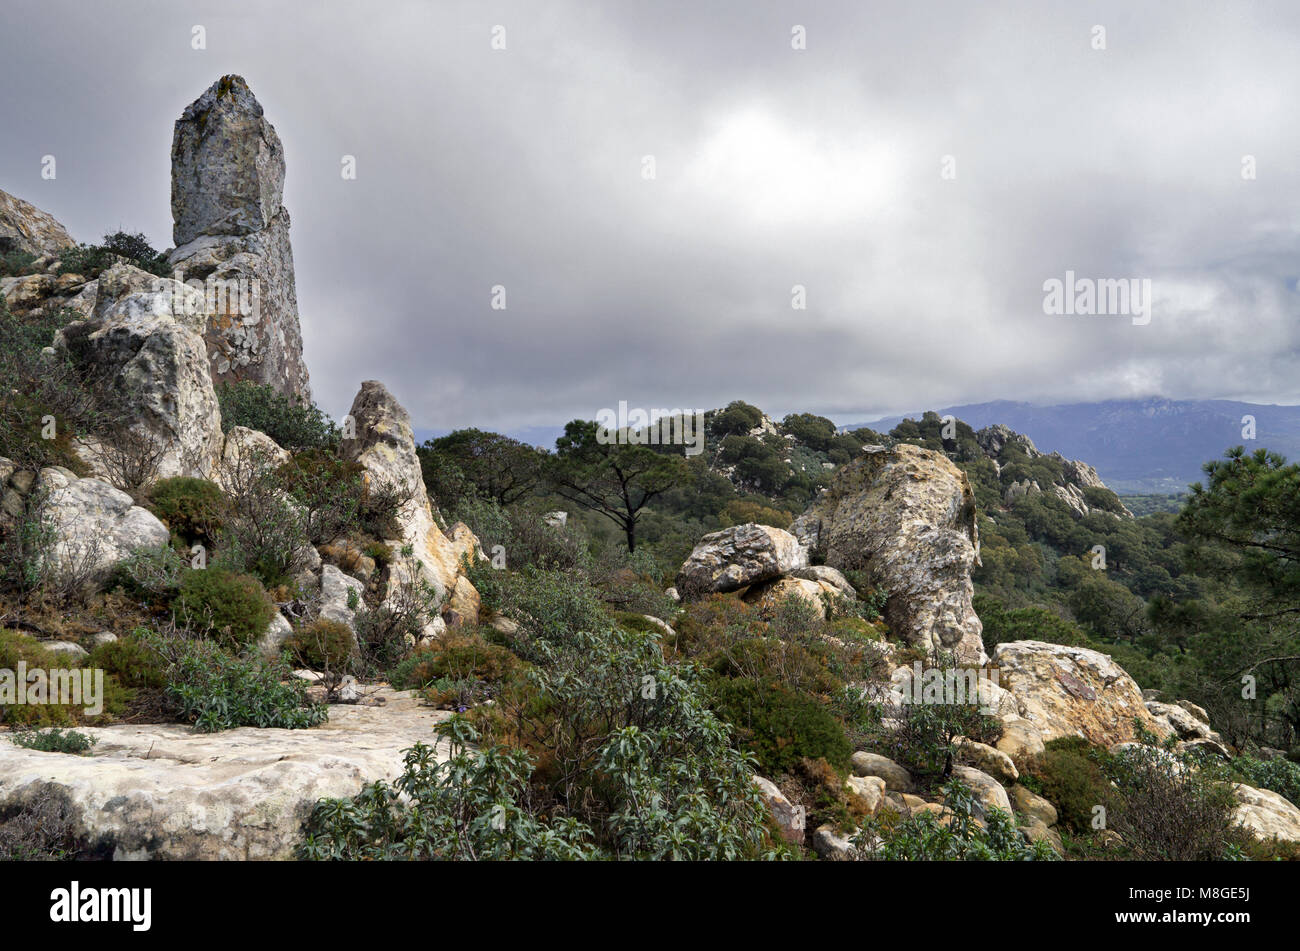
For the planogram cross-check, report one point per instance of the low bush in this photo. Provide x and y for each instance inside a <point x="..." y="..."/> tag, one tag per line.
<point x="1071" y="774"/>
<point x="1168" y="810"/>
<point x="324" y="645"/>
<point x="45" y="829"/>
<point x="16" y="648"/>
<point x="958" y="837"/>
<point x="230" y="608"/>
<point x="779" y="726"/>
<point x="216" y="691"/>
<point x="294" y="424"/>
<point x="192" y="508"/>
<point x="923" y="739"/>
<point x="54" y="740"/>
<point x="154" y="573"/>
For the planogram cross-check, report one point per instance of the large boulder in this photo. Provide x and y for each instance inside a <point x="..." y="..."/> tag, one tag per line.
<point x="94" y="525"/>
<point x="1266" y="814"/>
<point x="737" y="557"/>
<point x="384" y="444"/>
<point x="25" y="228"/>
<point x="906" y="516"/>
<point x="232" y="234"/>
<point x="145" y="347"/>
<point x="166" y="792"/>
<point x="1072" y="691"/>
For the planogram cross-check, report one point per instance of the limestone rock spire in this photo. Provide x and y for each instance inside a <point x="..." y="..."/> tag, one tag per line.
<point x="232" y="233"/>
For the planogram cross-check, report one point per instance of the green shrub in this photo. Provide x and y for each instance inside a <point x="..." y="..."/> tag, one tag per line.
<point x="960" y="837"/>
<point x="89" y="260"/>
<point x="192" y="508"/>
<point x="1278" y="774"/>
<point x="923" y="740"/>
<point x="1170" y="811"/>
<point x="603" y="750"/>
<point x="324" y="645"/>
<point x="1070" y="773"/>
<point x="18" y="648"/>
<point x="230" y="608"/>
<point x="54" y="740"/>
<point x="294" y="424"/>
<point x="132" y="661"/>
<point x="470" y="806"/>
<point x="14" y="263"/>
<point x="150" y="572"/>
<point x="215" y="691"/>
<point x="780" y="726"/>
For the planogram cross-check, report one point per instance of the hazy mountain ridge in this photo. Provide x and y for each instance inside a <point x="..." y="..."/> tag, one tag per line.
<point x="1139" y="446"/>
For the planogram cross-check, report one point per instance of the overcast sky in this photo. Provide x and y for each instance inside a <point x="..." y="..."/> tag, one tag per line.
<point x="774" y="167"/>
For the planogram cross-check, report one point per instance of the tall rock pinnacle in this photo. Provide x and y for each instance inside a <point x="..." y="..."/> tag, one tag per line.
<point x="232" y="234"/>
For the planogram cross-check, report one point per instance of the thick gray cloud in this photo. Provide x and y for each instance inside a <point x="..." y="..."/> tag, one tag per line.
<point x="773" y="167"/>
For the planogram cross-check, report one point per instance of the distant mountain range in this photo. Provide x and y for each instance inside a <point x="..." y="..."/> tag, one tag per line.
<point x="1137" y="446"/>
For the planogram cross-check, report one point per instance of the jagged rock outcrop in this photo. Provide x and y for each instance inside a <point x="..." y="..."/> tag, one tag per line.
<point x="232" y="233"/>
<point x="736" y="557"/>
<point x="166" y="792"/>
<point x="1073" y="691"/>
<point x="384" y="445"/>
<point x="144" y="345"/>
<point x="25" y="228"/>
<point x="906" y="516"/>
<point x="1076" y="476"/>
<point x="95" y="525"/>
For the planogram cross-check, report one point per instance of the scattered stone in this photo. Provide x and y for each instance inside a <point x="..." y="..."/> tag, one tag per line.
<point x="788" y="819"/>
<point x="895" y="777"/>
<point x="737" y="557"/>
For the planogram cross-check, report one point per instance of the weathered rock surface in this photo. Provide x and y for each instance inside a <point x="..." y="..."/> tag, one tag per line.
<point x="1072" y="691"/>
<point x="989" y="793"/>
<point x="895" y="777"/>
<point x="987" y="759"/>
<point x="164" y="792"/>
<point x="232" y="233"/>
<point x="95" y="525"/>
<point x="769" y="594"/>
<point x="1266" y="814"/>
<point x="334" y="596"/>
<point x="385" y="446"/>
<point x="788" y="819"/>
<point x="906" y="516"/>
<point x="736" y="557"/>
<point x="149" y="352"/>
<point x="24" y="227"/>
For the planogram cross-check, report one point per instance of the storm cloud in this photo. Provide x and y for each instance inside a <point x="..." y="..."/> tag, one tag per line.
<point x="920" y="169"/>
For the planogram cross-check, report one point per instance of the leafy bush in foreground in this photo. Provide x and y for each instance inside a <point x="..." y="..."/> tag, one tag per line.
<point x="218" y="692"/>
<point x="959" y="837"/>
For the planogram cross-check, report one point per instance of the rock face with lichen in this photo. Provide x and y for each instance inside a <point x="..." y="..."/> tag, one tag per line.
<point x="905" y="516"/>
<point x="232" y="234"/>
<point x="1073" y="691"/>
<point x="25" y="228"/>
<point x="384" y="445"/>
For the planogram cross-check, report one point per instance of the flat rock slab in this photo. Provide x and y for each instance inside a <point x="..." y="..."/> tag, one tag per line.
<point x="164" y="792"/>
